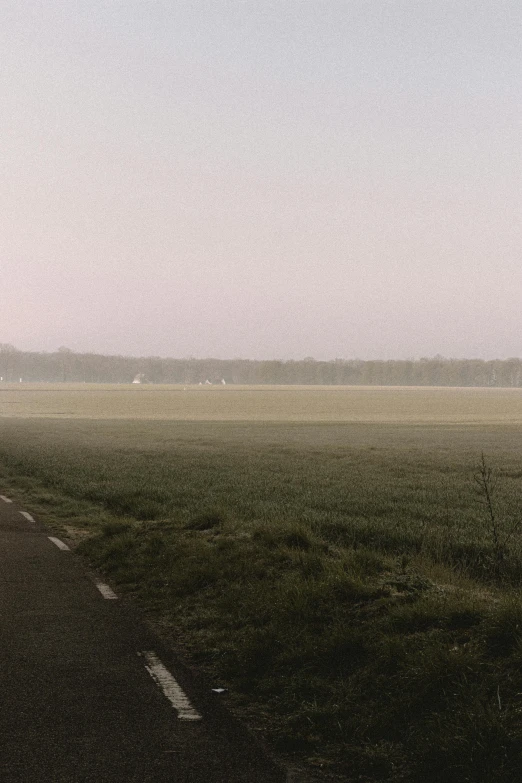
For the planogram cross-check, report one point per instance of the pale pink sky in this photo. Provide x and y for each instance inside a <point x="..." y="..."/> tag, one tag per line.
<point x="262" y="179"/>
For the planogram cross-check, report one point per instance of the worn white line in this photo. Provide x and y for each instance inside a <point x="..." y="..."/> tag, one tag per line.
<point x="6" y="500"/>
<point x="105" y="590"/>
<point x="58" y="543"/>
<point x="27" y="515"/>
<point x="170" y="687"/>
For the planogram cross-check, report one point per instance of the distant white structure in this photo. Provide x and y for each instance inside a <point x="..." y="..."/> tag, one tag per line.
<point x="208" y="383"/>
<point x="139" y="378"/>
<point x="223" y="381"/>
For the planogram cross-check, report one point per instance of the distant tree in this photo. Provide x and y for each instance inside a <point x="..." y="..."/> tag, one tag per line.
<point x="66" y="356"/>
<point x="8" y="361"/>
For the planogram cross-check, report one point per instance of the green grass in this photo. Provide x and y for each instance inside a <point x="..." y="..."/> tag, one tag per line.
<point x="339" y="579"/>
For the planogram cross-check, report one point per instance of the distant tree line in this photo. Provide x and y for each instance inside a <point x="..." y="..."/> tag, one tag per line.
<point x="66" y="366"/>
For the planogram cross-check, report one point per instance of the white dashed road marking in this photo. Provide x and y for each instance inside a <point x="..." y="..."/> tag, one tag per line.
<point x="6" y="500"/>
<point x="170" y="687"/>
<point x="106" y="591"/>
<point x="27" y="515"/>
<point x="58" y="543"/>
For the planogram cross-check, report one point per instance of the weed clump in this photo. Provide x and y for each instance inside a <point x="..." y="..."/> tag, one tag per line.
<point x="116" y="527"/>
<point x="208" y="520"/>
<point x="502" y="630"/>
<point x="293" y="535"/>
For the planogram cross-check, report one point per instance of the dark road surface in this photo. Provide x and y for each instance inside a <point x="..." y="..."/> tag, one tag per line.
<point x="77" y="701"/>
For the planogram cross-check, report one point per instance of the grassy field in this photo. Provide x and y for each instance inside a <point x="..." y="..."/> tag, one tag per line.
<point x="264" y="403"/>
<point x="342" y="578"/>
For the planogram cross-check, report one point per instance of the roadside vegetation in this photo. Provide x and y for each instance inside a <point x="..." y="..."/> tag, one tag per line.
<point x="353" y="586"/>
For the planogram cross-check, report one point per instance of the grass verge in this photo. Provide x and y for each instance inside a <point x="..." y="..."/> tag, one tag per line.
<point x="350" y="630"/>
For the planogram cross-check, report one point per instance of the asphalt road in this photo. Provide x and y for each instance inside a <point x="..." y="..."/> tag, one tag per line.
<point x="77" y="701"/>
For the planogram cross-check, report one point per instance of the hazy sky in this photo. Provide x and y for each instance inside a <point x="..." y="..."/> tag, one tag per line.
<point x="262" y="178"/>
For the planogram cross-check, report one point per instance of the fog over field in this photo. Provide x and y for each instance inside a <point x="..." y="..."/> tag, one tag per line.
<point x="261" y="179"/>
